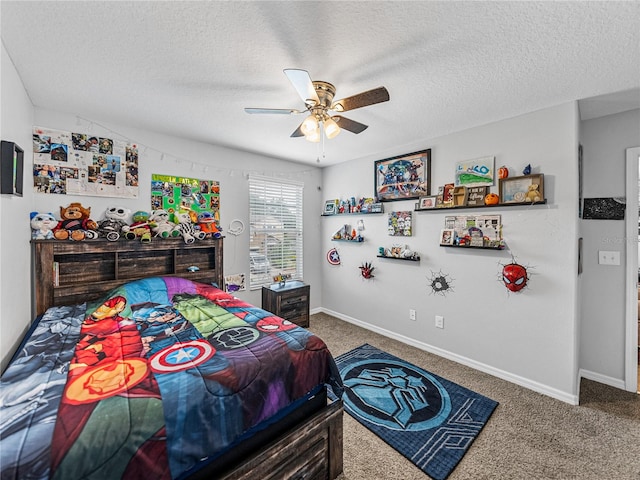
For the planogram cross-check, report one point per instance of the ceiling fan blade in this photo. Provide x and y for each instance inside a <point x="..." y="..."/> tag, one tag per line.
<point x="301" y="81"/>
<point x="350" y="125"/>
<point x="281" y="111"/>
<point x="370" y="97"/>
<point x="298" y="132"/>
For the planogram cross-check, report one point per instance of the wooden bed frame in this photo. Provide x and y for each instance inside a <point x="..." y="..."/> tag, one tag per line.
<point x="67" y="273"/>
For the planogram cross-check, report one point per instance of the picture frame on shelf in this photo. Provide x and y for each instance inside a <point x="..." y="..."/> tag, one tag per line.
<point x="329" y="207"/>
<point x="475" y="195"/>
<point x="427" y="203"/>
<point x="447" y="195"/>
<point x="459" y="196"/>
<point x="403" y="177"/>
<point x="447" y="236"/>
<point x="522" y="189"/>
<point x="440" y="197"/>
<point x="476" y="172"/>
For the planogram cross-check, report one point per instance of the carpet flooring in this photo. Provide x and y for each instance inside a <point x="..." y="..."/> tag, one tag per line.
<point x="529" y="436"/>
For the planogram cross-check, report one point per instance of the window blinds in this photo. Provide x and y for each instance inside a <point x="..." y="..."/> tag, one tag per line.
<point x="275" y="233"/>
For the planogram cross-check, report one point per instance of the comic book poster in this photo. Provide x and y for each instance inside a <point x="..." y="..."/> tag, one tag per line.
<point x="173" y="194"/>
<point x="81" y="164"/>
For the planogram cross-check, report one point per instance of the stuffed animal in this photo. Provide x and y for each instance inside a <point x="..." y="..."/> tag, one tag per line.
<point x="207" y="225"/>
<point x="533" y="194"/>
<point x="42" y="225"/>
<point x="115" y="218"/>
<point x="163" y="227"/>
<point x="187" y="228"/>
<point x="75" y="223"/>
<point x="140" y="228"/>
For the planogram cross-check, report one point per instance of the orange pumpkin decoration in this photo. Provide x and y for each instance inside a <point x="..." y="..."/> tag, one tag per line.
<point x="503" y="172"/>
<point x="491" y="199"/>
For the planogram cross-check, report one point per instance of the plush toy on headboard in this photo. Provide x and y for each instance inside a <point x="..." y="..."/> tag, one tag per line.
<point x="42" y="225"/>
<point x="115" y="219"/>
<point x="163" y="227"/>
<point x="207" y="225"/>
<point x="187" y="228"/>
<point x="140" y="228"/>
<point x="75" y="223"/>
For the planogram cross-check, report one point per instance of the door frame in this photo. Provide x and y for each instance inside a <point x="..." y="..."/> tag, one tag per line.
<point x="631" y="246"/>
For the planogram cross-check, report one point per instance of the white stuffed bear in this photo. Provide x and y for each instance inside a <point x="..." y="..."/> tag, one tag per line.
<point x="42" y="225"/>
<point x="163" y="227"/>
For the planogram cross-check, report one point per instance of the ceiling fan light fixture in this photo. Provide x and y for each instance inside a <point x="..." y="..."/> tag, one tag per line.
<point x="309" y="125"/>
<point x="314" y="136"/>
<point x="331" y="128"/>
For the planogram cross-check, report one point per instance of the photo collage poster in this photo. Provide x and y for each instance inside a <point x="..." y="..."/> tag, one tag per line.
<point x="70" y="163"/>
<point x="173" y="194"/>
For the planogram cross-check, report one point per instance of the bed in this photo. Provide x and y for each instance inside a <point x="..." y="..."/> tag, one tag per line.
<point x="160" y="374"/>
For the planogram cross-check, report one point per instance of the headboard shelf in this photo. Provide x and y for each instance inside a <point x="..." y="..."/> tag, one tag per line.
<point x="66" y="273"/>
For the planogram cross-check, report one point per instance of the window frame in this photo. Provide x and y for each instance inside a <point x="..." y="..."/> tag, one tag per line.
<point x="275" y="229"/>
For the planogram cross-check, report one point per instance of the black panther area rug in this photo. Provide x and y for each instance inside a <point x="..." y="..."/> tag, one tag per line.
<point x="429" y="420"/>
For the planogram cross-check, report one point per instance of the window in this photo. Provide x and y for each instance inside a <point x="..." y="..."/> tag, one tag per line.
<point x="275" y="233"/>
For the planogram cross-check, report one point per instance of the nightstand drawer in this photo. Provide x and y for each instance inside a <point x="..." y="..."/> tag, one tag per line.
<point x="286" y="303"/>
<point x="292" y="303"/>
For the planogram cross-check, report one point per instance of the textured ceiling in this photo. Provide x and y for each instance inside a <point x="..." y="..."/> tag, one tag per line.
<point x="189" y="68"/>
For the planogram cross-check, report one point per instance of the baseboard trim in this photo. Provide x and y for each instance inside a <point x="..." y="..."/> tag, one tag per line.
<point x="598" y="377"/>
<point x="516" y="379"/>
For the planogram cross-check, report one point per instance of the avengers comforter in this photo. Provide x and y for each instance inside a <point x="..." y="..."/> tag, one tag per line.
<point x="156" y="377"/>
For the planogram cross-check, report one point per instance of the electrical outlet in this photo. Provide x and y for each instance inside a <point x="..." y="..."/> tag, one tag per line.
<point x="439" y="321"/>
<point x="608" y="258"/>
<point x="412" y="314"/>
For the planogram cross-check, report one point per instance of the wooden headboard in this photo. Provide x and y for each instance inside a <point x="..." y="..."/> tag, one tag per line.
<point x="68" y="273"/>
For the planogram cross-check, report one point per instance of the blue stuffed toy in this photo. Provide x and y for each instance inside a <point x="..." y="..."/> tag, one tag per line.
<point x="42" y="225"/>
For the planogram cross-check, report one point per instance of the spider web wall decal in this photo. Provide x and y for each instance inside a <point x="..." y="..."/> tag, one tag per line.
<point x="440" y="283"/>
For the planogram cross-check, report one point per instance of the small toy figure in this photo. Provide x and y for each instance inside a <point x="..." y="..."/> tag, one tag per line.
<point x="163" y="227"/>
<point x="527" y="170"/>
<point x="75" y="223"/>
<point x="140" y="228"/>
<point x="115" y="219"/>
<point x="207" y="225"/>
<point x="42" y="225"/>
<point x="533" y="194"/>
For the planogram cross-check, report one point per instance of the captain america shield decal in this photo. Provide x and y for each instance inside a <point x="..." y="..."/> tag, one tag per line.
<point x="181" y="356"/>
<point x="332" y="257"/>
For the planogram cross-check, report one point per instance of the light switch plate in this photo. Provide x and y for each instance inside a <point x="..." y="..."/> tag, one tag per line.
<point x="608" y="257"/>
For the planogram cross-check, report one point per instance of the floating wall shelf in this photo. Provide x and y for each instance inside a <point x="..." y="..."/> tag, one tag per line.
<point x="350" y="213"/>
<point x="465" y="207"/>
<point x="413" y="259"/>
<point x="464" y="247"/>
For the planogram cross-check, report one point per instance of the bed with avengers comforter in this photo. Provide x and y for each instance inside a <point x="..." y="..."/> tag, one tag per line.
<point x="158" y="379"/>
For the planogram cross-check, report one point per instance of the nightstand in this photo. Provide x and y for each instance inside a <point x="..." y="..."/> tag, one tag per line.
<point x="290" y="301"/>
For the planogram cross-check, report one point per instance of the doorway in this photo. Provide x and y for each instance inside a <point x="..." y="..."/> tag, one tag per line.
<point x="632" y="356"/>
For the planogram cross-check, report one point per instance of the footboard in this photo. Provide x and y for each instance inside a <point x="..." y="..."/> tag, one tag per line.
<point x="311" y="450"/>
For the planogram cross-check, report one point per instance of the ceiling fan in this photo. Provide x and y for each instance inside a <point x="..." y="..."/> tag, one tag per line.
<point x="318" y="99"/>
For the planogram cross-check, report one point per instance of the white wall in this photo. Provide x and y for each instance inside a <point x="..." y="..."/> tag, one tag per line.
<point x="175" y="156"/>
<point x="602" y="347"/>
<point x="163" y="155"/>
<point x="530" y="337"/>
<point x="15" y="286"/>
